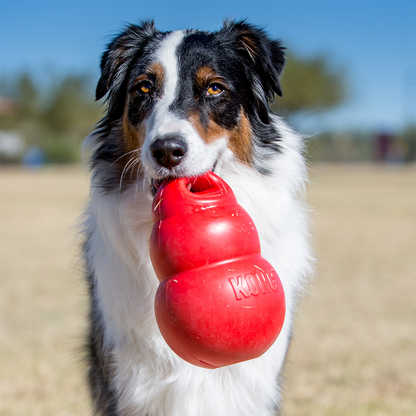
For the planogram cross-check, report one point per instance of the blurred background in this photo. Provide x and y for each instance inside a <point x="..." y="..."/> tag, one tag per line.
<point x="349" y="86"/>
<point x="349" y="83"/>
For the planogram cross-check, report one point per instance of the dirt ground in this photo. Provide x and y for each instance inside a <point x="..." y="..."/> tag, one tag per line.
<point x="353" y="350"/>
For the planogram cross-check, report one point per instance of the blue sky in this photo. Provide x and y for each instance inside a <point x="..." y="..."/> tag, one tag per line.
<point x="374" y="41"/>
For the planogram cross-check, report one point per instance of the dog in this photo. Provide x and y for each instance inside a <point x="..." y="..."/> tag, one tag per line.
<point x="180" y="104"/>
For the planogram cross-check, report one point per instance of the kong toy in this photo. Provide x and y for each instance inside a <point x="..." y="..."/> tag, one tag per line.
<point x="219" y="301"/>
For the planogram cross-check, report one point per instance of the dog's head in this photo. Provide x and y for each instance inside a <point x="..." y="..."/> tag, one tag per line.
<point x="181" y="103"/>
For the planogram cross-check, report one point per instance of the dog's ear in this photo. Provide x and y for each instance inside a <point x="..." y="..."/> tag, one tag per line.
<point x="116" y="60"/>
<point x="264" y="55"/>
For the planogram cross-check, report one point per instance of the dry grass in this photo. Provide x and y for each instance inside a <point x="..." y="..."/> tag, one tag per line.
<point x="355" y="340"/>
<point x="41" y="296"/>
<point x="354" y="351"/>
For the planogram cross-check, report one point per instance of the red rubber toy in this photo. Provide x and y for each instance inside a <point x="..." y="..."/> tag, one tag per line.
<point x="219" y="302"/>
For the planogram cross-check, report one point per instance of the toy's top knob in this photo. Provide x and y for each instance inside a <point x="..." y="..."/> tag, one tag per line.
<point x="189" y="195"/>
<point x="198" y="222"/>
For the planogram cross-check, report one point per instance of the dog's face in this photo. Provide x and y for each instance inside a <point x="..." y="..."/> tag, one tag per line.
<point x="179" y="102"/>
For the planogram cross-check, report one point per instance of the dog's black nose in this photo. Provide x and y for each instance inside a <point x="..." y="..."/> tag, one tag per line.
<point x="169" y="151"/>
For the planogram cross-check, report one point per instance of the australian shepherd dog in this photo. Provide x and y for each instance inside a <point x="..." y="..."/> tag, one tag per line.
<point x="180" y="104"/>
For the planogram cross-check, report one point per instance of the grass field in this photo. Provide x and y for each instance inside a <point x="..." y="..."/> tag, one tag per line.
<point x="354" y="347"/>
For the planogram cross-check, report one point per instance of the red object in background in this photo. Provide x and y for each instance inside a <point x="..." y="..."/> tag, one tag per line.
<point x="219" y="302"/>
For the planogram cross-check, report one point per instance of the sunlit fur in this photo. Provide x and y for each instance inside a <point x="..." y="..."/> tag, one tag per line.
<point x="131" y="369"/>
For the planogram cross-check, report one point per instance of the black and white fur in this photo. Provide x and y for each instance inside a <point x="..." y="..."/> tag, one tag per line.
<point x="179" y="104"/>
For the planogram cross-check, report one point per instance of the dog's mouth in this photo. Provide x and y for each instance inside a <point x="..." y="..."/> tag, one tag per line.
<point x="157" y="183"/>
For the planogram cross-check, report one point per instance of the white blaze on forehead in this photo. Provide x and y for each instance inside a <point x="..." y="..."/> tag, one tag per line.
<point x="160" y="119"/>
<point x="166" y="55"/>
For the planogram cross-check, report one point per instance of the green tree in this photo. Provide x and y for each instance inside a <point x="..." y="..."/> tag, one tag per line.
<point x="70" y="109"/>
<point x="310" y="85"/>
<point x="55" y="117"/>
<point x="408" y="136"/>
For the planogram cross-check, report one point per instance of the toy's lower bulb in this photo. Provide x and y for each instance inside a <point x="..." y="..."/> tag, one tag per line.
<point x="223" y="303"/>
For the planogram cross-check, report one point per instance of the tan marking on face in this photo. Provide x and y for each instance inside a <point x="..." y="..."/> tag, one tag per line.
<point x="211" y="133"/>
<point x="155" y="74"/>
<point x="133" y="138"/>
<point x="240" y="140"/>
<point x="131" y="161"/>
<point x="158" y="71"/>
<point x="205" y="76"/>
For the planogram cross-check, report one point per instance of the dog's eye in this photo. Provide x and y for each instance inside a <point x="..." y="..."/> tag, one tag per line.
<point x="143" y="87"/>
<point x="146" y="87"/>
<point x="215" y="89"/>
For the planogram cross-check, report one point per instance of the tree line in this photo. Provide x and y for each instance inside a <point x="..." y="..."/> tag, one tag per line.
<point x="57" y="115"/>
